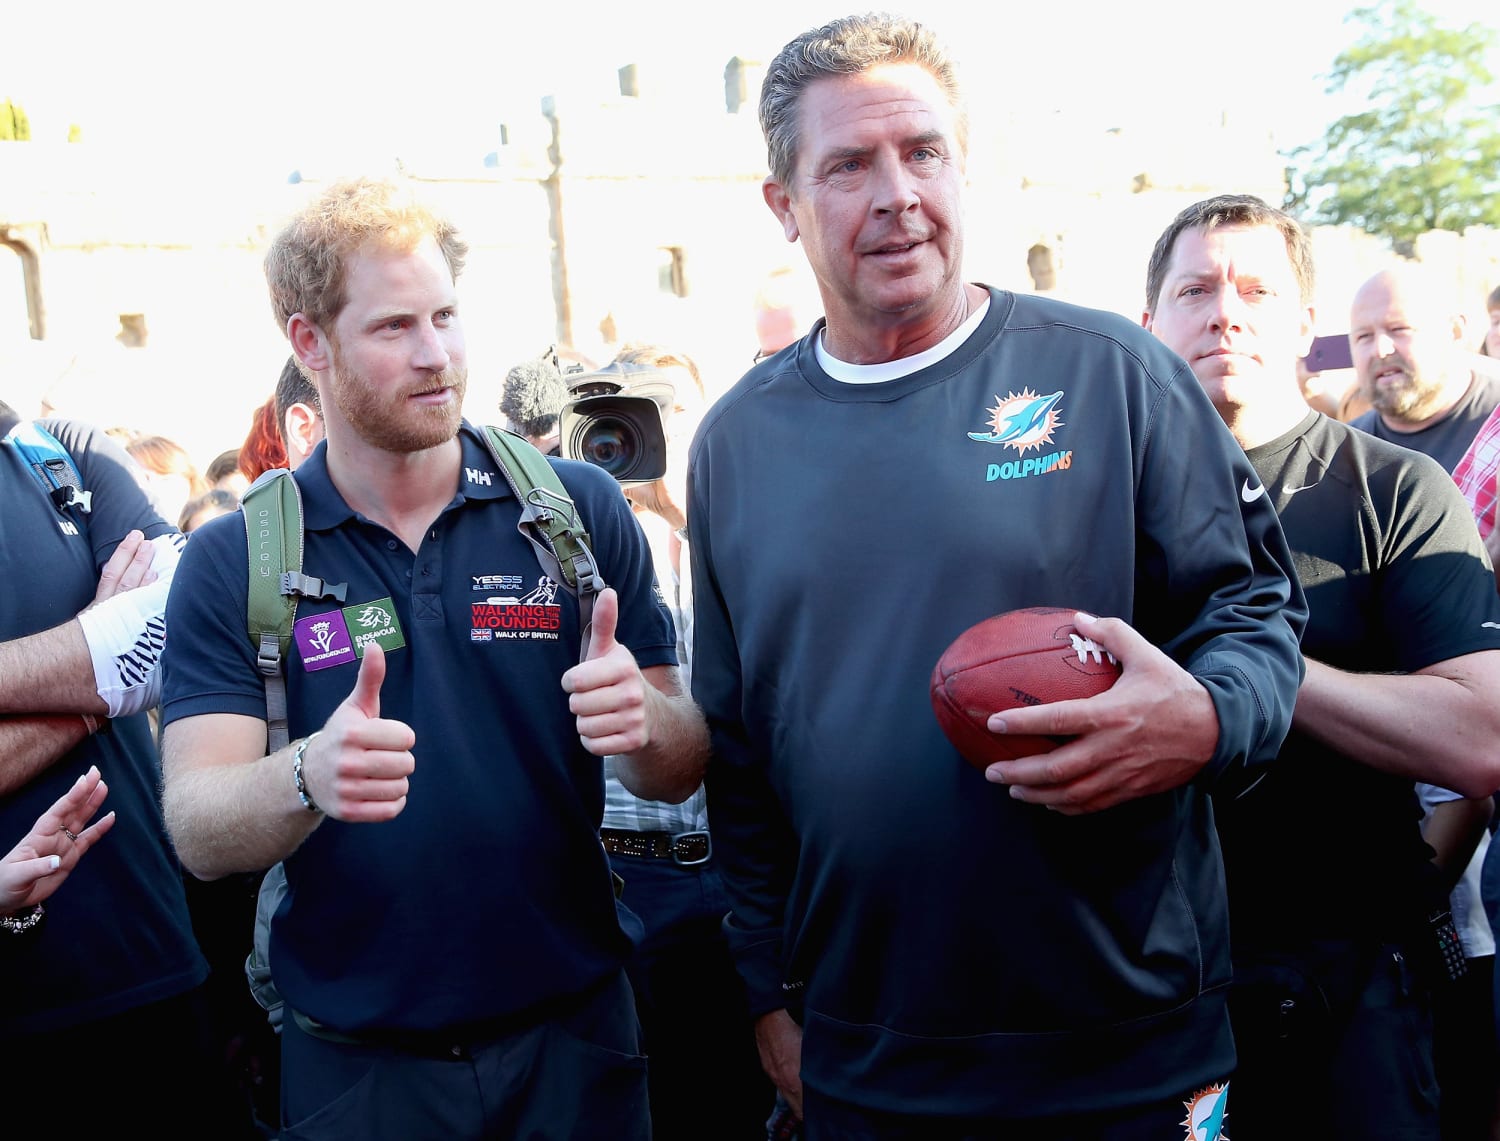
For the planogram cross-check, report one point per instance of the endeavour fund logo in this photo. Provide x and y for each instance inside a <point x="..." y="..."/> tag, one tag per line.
<point x="327" y="640"/>
<point x="1025" y="421"/>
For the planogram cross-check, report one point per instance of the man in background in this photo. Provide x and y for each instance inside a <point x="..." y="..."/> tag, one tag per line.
<point x="1406" y="338"/>
<point x="299" y="415"/>
<point x="705" y="1076"/>
<point x="1330" y="884"/>
<point x="102" y="1010"/>
<point x="532" y="398"/>
<point x="784" y="307"/>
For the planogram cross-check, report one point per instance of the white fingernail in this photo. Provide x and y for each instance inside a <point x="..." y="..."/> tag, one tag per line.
<point x="54" y="862"/>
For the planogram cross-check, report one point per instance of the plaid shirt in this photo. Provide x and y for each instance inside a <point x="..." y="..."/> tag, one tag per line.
<point x="621" y="809"/>
<point x="1476" y="473"/>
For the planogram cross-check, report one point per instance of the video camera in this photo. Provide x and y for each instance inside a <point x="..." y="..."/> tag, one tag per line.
<point x="616" y="419"/>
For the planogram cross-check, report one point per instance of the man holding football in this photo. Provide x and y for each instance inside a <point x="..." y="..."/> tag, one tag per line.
<point x="1039" y="950"/>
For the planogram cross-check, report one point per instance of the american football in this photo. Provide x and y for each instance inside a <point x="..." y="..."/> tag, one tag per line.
<point x="1021" y="657"/>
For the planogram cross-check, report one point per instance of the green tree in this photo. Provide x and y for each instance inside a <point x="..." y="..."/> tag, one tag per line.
<point x="1421" y="152"/>
<point x="14" y="125"/>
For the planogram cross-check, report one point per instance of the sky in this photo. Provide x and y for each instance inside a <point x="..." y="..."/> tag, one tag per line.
<point x="279" y="85"/>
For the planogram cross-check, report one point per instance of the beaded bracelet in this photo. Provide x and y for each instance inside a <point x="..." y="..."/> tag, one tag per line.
<point x="22" y="921"/>
<point x="298" y="779"/>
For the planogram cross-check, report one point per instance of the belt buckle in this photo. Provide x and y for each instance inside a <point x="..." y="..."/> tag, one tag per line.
<point x="708" y="848"/>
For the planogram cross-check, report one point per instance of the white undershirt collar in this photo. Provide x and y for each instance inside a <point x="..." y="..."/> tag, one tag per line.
<point x="894" y="370"/>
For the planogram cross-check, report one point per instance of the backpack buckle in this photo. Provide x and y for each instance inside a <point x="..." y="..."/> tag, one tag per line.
<point x="586" y="571"/>
<point x="268" y="655"/>
<point x="69" y="496"/>
<point x="308" y="586"/>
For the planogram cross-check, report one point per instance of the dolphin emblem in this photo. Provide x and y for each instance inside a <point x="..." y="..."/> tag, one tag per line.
<point x="1213" y="1125"/>
<point x="1021" y="421"/>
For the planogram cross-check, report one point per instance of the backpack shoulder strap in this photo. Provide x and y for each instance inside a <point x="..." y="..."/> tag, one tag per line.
<point x="272" y="507"/>
<point x="51" y="465"/>
<point x="550" y="521"/>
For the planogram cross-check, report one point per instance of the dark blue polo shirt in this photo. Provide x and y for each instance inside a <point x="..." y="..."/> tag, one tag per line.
<point x="490" y="893"/>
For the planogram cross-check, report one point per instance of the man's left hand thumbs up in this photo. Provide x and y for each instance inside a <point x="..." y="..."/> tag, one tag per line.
<point x="608" y="692"/>
<point x="602" y="629"/>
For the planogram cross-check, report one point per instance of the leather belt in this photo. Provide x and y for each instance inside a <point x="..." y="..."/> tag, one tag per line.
<point x="685" y="848"/>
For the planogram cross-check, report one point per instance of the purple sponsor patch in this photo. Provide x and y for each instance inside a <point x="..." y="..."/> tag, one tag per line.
<point x="323" y="640"/>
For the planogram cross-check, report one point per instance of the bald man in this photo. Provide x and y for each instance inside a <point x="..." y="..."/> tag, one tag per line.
<point x="785" y="308"/>
<point x="1406" y="338"/>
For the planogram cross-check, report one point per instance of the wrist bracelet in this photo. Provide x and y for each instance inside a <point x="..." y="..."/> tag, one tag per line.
<point x="22" y="921"/>
<point x="297" y="778"/>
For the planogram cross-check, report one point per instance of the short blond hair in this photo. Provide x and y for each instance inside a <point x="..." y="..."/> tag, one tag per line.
<point x="307" y="264"/>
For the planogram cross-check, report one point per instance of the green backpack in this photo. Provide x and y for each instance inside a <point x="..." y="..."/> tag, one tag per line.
<point x="273" y="533"/>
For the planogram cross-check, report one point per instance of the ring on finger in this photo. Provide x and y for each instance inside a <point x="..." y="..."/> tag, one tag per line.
<point x="70" y="835"/>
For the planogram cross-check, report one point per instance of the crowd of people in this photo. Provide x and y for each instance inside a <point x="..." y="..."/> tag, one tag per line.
<point x="578" y="807"/>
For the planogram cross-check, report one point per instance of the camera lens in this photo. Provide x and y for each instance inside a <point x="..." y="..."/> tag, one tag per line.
<point x="623" y="435"/>
<point x="611" y="444"/>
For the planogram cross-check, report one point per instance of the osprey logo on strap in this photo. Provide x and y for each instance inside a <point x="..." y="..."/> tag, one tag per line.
<point x="272" y="507"/>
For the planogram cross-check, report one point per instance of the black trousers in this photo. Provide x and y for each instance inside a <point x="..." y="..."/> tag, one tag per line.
<point x="151" y="1072"/>
<point x="577" y="1075"/>
<point x="705" y="1073"/>
<point x="1334" y="1040"/>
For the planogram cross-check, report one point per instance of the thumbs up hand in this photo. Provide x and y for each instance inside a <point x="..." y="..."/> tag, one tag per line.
<point x="602" y="629"/>
<point x="356" y="767"/>
<point x="609" y="694"/>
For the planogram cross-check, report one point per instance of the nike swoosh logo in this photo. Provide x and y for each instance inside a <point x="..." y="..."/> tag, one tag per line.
<point x="1293" y="490"/>
<point x="1251" y="494"/>
<point x="1489" y="625"/>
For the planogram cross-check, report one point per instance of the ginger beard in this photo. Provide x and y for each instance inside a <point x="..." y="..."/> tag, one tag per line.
<point x="397" y="422"/>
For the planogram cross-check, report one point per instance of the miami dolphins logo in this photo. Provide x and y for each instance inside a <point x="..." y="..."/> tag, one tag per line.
<point x="1205" y="1116"/>
<point x="1022" y="420"/>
